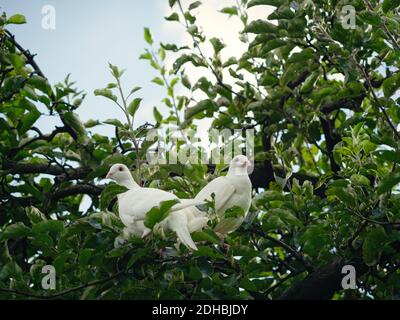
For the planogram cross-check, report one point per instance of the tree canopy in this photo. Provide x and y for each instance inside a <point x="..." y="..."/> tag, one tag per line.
<point x="323" y="100"/>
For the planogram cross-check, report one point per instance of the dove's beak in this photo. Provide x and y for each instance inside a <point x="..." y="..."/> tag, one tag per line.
<point x="109" y="175"/>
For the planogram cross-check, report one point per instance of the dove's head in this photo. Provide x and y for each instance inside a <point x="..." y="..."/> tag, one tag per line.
<point x="120" y="174"/>
<point x="239" y="165"/>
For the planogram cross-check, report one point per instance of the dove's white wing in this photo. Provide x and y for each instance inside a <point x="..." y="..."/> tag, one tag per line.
<point x="135" y="203"/>
<point x="178" y="222"/>
<point x="223" y="190"/>
<point x="197" y="220"/>
<point x="197" y="223"/>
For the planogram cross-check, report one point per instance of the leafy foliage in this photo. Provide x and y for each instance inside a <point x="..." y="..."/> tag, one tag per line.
<point x="324" y="104"/>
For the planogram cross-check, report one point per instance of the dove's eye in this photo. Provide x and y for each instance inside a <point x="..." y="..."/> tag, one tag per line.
<point x="120" y="169"/>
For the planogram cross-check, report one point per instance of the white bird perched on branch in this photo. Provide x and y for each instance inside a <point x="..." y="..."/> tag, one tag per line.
<point x="229" y="191"/>
<point x="134" y="204"/>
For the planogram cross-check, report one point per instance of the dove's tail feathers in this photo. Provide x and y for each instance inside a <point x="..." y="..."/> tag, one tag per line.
<point x="178" y="223"/>
<point x="185" y="203"/>
<point x="184" y="235"/>
<point x="197" y="224"/>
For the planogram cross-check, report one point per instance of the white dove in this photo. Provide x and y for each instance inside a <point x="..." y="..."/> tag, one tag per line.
<point x="231" y="190"/>
<point x="134" y="204"/>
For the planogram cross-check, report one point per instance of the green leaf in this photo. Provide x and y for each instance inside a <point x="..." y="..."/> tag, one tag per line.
<point x="133" y="106"/>
<point x="118" y="252"/>
<point x="194" y="59"/>
<point x="112" y="85"/>
<point x="72" y="119"/>
<point x="173" y="17"/>
<point x="370" y="17"/>
<point x="275" y="3"/>
<point x="109" y="193"/>
<point x="135" y="89"/>
<point x="217" y="45"/>
<point x="158" y="80"/>
<point x="359" y="179"/>
<point x="55" y="226"/>
<point x="172" y="3"/>
<point x="391" y="85"/>
<point x="206" y="235"/>
<point x="107" y="93"/>
<point x="91" y="123"/>
<point x="16" y="230"/>
<point x="248" y="285"/>
<point x="273" y="44"/>
<point x="114" y="122"/>
<point x="157" y="115"/>
<point x="389" y="5"/>
<point x="40" y="83"/>
<point x="194" y="5"/>
<point x="388" y="183"/>
<point x="158" y="213"/>
<point x="84" y="257"/>
<point x="373" y="245"/>
<point x="232" y="11"/>
<point x="286" y="216"/>
<point x="16" y="19"/>
<point x="309" y="83"/>
<point x="388" y="155"/>
<point x="302" y="56"/>
<point x="207" y="104"/>
<point x="207" y="252"/>
<point x="17" y="60"/>
<point x="147" y="36"/>
<point x="29" y="119"/>
<point x="314" y="239"/>
<point x="137" y="256"/>
<point x="342" y="194"/>
<point x="261" y="26"/>
<point x="115" y="71"/>
<point x="234" y="212"/>
<point x="34" y="214"/>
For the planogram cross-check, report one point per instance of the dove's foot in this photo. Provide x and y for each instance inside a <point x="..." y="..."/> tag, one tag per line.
<point x="224" y="245"/>
<point x="220" y="235"/>
<point x="161" y="252"/>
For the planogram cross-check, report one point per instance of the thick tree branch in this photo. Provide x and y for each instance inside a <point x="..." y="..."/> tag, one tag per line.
<point x="29" y="57"/>
<point x="345" y="103"/>
<point x="331" y="139"/>
<point x="14" y="167"/>
<point x="41" y="136"/>
<point x="323" y="283"/>
<point x="75" y="190"/>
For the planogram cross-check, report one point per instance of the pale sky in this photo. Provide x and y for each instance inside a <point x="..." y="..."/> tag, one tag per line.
<point x="91" y="33"/>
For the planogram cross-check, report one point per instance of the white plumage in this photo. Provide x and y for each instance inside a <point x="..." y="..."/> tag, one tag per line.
<point x="135" y="203"/>
<point x="231" y="190"/>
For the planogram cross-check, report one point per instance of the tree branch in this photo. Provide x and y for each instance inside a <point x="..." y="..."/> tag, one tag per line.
<point x="63" y="293"/>
<point x="14" y="167"/>
<point x="47" y="138"/>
